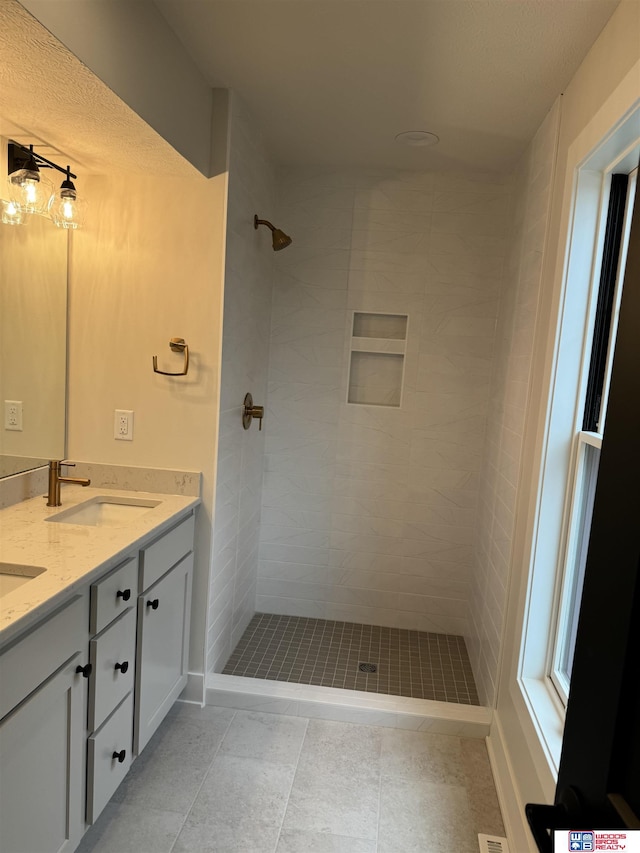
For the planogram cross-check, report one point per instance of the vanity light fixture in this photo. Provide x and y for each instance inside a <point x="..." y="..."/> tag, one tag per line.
<point x="31" y="192"/>
<point x="67" y="210"/>
<point x="11" y="213"/>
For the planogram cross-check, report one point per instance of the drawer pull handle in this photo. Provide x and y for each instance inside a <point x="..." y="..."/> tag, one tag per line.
<point x="120" y="755"/>
<point x="153" y="604"/>
<point x="85" y="671"/>
<point x="123" y="667"/>
<point x="124" y="594"/>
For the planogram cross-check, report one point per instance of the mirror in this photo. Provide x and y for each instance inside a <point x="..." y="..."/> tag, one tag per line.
<point x="33" y="343"/>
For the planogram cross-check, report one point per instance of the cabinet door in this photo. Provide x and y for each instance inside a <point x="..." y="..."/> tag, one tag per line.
<point x="163" y="647"/>
<point x="42" y="767"/>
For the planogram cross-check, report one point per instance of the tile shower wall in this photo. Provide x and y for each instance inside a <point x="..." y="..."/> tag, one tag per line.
<point x="370" y="512"/>
<point x="245" y="348"/>
<point x="509" y="389"/>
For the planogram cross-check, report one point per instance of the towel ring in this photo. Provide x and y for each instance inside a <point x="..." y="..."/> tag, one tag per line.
<point x="176" y="345"/>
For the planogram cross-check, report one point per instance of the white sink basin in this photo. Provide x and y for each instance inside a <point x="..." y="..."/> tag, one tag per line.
<point x="13" y="575"/>
<point x="105" y="511"/>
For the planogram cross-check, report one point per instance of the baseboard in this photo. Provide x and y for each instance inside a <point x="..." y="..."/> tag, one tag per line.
<point x="194" y="691"/>
<point x="515" y="823"/>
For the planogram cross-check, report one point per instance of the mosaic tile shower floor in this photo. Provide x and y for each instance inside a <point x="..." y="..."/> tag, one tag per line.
<point x="330" y="654"/>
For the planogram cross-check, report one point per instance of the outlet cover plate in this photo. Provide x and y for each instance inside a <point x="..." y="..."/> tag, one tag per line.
<point x="123" y="425"/>
<point x="13" y="414"/>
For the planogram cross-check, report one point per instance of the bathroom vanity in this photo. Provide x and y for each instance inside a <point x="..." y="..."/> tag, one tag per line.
<point x="93" y="652"/>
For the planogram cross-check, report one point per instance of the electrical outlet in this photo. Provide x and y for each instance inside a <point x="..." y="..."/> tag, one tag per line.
<point x="123" y="425"/>
<point x="13" y="414"/>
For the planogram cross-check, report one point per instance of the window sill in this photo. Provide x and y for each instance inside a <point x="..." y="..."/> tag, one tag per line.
<point x="547" y="718"/>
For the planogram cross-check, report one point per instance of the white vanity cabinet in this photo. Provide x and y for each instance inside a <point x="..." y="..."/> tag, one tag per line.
<point x="43" y="691"/>
<point x="82" y="692"/>
<point x="164" y="608"/>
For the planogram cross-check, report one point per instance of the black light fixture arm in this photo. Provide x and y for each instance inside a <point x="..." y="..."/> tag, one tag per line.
<point x="19" y="156"/>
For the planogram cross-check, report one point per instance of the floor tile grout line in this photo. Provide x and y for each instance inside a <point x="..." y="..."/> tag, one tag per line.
<point x="379" y="799"/>
<point x="293" y="781"/>
<point x="204" y="778"/>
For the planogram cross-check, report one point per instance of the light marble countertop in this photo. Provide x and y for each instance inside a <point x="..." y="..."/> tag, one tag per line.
<point x="72" y="554"/>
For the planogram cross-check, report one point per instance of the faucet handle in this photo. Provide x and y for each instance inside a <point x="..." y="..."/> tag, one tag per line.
<point x="69" y="464"/>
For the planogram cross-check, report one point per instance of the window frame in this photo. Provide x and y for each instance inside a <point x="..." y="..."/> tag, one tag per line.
<point x="596" y="370"/>
<point x="610" y="143"/>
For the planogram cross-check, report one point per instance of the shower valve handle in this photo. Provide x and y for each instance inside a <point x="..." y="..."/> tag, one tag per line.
<point x="250" y="411"/>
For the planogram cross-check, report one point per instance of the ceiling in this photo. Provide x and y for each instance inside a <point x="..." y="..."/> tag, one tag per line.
<point x="331" y="82"/>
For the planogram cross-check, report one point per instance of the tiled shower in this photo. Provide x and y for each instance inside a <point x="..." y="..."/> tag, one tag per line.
<point x="369" y="511"/>
<point x="379" y="374"/>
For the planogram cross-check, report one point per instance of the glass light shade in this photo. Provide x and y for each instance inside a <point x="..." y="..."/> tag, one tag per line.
<point x="68" y="211"/>
<point x="30" y="191"/>
<point x="11" y="213"/>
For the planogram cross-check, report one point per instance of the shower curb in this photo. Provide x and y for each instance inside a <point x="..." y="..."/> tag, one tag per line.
<point x="352" y="706"/>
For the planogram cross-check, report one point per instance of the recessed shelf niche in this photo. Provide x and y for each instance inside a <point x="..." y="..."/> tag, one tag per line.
<point x="376" y="369"/>
<point x="388" y="326"/>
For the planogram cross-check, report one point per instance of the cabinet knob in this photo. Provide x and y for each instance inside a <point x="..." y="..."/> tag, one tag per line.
<point x="123" y="667"/>
<point x="85" y="671"/>
<point x="124" y="594"/>
<point x="153" y="604"/>
<point x="120" y="756"/>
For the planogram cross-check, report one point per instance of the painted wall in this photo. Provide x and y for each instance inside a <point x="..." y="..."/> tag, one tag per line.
<point x="245" y="350"/>
<point x="507" y="410"/>
<point x="369" y="512"/>
<point x="148" y="267"/>
<point x="603" y="89"/>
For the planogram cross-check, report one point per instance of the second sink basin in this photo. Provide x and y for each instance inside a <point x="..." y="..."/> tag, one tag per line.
<point x="13" y="575"/>
<point x="105" y="511"/>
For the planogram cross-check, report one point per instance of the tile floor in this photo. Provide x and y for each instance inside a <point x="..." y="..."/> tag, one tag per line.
<point x="215" y="779"/>
<point x="328" y="653"/>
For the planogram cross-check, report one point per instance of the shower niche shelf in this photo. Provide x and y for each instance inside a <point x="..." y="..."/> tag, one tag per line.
<point x="377" y="353"/>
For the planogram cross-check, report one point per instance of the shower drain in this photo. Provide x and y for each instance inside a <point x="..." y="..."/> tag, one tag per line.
<point x="368" y="667"/>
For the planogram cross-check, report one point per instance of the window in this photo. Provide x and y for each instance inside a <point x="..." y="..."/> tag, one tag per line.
<point x="589" y="430"/>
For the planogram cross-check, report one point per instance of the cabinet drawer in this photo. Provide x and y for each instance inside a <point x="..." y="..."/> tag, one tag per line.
<point x="104" y="772"/>
<point x="113" y="594"/>
<point x="112" y="655"/>
<point x="166" y="551"/>
<point x="29" y="661"/>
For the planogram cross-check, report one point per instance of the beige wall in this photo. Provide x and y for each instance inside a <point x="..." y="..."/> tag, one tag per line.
<point x="148" y="267"/>
<point x="520" y="762"/>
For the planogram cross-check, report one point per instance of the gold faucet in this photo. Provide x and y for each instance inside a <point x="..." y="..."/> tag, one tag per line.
<point x="53" y="498"/>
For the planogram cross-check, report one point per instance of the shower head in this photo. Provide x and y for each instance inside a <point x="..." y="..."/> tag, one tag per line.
<point x="279" y="240"/>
